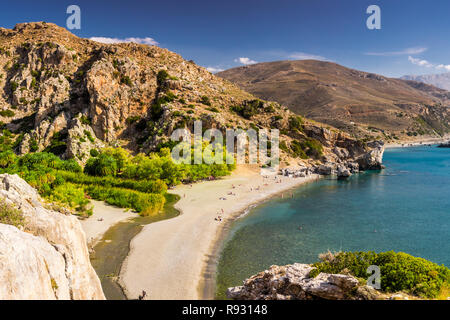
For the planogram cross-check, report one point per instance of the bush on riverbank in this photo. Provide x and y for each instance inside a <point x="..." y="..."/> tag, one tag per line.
<point x="146" y="186"/>
<point x="112" y="175"/>
<point x="144" y="203"/>
<point x="399" y="271"/>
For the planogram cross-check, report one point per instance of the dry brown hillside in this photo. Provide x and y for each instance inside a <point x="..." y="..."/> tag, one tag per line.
<point x="358" y="102"/>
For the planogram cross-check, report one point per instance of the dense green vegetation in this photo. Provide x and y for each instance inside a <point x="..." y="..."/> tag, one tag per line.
<point x="112" y="175"/>
<point x="399" y="271"/>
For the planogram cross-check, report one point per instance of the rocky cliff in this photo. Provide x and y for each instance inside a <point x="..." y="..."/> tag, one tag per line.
<point x="48" y="257"/>
<point x="68" y="95"/>
<point x="293" y="282"/>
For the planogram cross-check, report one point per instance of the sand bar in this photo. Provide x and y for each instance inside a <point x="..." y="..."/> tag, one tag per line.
<point x="103" y="218"/>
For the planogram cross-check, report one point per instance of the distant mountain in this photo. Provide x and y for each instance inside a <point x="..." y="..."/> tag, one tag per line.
<point x="439" y="80"/>
<point x="363" y="104"/>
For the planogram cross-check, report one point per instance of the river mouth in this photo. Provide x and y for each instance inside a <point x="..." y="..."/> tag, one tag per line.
<point x="113" y="248"/>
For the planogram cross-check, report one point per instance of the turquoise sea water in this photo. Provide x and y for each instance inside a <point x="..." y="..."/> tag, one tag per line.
<point x="405" y="207"/>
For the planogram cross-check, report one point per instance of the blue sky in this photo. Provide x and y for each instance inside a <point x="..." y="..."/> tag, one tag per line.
<point x="414" y="35"/>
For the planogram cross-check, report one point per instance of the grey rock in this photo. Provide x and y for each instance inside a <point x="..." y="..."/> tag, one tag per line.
<point x="293" y="282"/>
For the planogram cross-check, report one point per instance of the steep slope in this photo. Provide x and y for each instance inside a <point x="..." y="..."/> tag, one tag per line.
<point x="441" y="80"/>
<point x="364" y="104"/>
<point x="68" y="95"/>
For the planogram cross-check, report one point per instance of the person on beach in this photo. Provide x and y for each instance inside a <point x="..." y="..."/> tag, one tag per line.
<point x="143" y="295"/>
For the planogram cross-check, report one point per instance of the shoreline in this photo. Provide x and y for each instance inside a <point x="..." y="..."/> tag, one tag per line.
<point x="176" y="258"/>
<point x="207" y="285"/>
<point x="95" y="229"/>
<point x="415" y="143"/>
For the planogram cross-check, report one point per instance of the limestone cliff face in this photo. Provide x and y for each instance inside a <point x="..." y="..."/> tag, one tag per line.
<point x="49" y="258"/>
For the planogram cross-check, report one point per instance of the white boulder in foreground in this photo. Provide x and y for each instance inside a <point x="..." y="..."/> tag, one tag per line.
<point x="49" y="259"/>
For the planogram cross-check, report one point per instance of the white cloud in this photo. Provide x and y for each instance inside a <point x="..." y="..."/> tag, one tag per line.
<point x="443" y="66"/>
<point x="245" y="60"/>
<point x="407" y="51"/>
<point x="427" y="64"/>
<point x="147" y="40"/>
<point x="214" y="69"/>
<point x="305" y="56"/>
<point x="420" y="62"/>
<point x="295" y="55"/>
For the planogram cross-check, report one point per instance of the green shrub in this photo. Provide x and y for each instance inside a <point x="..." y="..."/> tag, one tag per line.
<point x="145" y="186"/>
<point x="10" y="215"/>
<point x="40" y="160"/>
<point x="14" y="86"/>
<point x="248" y="109"/>
<point x="57" y="144"/>
<point x="313" y="148"/>
<point x="205" y="100"/>
<point x="7" y="113"/>
<point x="283" y="146"/>
<point x="399" y="271"/>
<point x="161" y="77"/>
<point x="277" y="117"/>
<point x="133" y="119"/>
<point x="213" y="109"/>
<point x="126" y="80"/>
<point x="7" y="158"/>
<point x="33" y="145"/>
<point x="71" y="196"/>
<point x="169" y="97"/>
<point x="85" y="120"/>
<point x="144" y="203"/>
<point x="89" y="136"/>
<point x="296" y="123"/>
<point x="94" y="153"/>
<point x="103" y="165"/>
<point x="297" y="150"/>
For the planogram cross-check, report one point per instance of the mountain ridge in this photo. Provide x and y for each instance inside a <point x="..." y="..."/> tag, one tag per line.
<point x="440" y="80"/>
<point x="342" y="97"/>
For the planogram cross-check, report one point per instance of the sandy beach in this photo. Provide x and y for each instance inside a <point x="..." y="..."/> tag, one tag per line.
<point x="424" y="141"/>
<point x="168" y="258"/>
<point x="103" y="218"/>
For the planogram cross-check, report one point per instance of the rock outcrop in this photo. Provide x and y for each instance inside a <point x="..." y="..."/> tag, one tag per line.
<point x="293" y="282"/>
<point x="48" y="258"/>
<point x="373" y="159"/>
<point x="444" y="145"/>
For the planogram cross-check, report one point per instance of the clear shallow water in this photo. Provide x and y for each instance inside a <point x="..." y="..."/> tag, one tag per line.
<point x="403" y="208"/>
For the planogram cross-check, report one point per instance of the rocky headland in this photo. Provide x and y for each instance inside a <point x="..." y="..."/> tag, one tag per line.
<point x="294" y="282"/>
